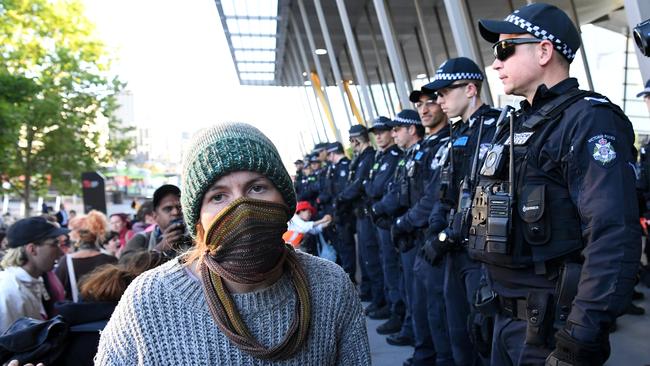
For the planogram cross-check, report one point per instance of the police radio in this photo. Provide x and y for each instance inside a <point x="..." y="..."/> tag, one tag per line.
<point x="500" y="199"/>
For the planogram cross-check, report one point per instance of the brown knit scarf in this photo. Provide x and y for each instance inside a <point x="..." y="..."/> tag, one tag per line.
<point x="245" y="246"/>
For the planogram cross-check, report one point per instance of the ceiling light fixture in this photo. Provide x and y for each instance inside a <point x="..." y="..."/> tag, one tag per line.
<point x="320" y="51"/>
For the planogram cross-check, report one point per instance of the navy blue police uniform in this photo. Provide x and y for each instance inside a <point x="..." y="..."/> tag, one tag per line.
<point x="375" y="186"/>
<point x="567" y="214"/>
<point x="461" y="274"/>
<point x="344" y="223"/>
<point x="354" y="196"/>
<point x="428" y="321"/>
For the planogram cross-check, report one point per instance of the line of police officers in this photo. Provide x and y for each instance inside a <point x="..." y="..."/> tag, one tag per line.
<point x="502" y="238"/>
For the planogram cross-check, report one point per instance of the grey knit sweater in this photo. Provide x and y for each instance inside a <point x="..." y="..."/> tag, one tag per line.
<point x="163" y="319"/>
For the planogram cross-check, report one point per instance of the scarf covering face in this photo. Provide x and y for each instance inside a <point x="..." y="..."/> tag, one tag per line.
<point x="244" y="245"/>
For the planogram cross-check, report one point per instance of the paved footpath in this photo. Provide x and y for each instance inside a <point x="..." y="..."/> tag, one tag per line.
<point x="630" y="343"/>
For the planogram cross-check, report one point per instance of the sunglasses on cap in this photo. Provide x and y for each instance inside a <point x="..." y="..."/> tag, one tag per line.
<point x="505" y="48"/>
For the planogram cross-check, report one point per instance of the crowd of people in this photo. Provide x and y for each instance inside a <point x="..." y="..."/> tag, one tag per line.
<point x="481" y="236"/>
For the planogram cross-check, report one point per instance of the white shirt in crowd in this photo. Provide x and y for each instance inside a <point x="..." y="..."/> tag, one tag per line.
<point x="21" y="295"/>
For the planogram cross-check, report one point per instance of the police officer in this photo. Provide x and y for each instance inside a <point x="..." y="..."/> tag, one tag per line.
<point x="562" y="209"/>
<point x="428" y="280"/>
<point x="431" y="339"/>
<point x="355" y="197"/>
<point x="337" y="180"/>
<point x="310" y="185"/>
<point x="386" y="159"/>
<point x="300" y="165"/>
<point x="457" y="86"/>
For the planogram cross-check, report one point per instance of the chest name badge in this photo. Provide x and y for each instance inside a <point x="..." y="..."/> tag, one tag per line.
<point x="418" y="155"/>
<point x="520" y="138"/>
<point x="461" y="141"/>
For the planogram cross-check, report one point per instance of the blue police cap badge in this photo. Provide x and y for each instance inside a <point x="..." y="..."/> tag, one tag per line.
<point x="602" y="149"/>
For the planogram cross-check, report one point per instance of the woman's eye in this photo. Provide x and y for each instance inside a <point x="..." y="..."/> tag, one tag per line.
<point x="258" y="188"/>
<point x="217" y="197"/>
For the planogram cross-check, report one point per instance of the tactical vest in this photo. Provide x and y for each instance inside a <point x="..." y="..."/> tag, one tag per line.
<point x="415" y="168"/>
<point x="544" y="224"/>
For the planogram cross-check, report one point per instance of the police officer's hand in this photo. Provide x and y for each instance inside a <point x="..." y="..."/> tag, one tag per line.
<point x="172" y="237"/>
<point x="571" y="352"/>
<point x="432" y="251"/>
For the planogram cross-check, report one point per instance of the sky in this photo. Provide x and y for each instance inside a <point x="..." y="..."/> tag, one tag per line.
<point x="177" y="64"/>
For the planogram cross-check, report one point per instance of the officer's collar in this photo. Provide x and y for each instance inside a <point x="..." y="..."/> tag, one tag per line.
<point x="442" y="133"/>
<point x="543" y="94"/>
<point x="368" y="150"/>
<point x="415" y="146"/>
<point x="474" y="117"/>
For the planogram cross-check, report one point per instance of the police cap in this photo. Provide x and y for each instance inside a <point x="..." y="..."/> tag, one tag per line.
<point x="415" y="95"/>
<point x="406" y="117"/>
<point x="380" y="124"/>
<point x="357" y="130"/>
<point x="542" y="21"/>
<point x="335" y="147"/>
<point x="645" y="91"/>
<point x="454" y="69"/>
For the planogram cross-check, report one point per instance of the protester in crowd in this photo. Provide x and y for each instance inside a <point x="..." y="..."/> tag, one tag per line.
<point x="88" y="231"/>
<point x="267" y="302"/>
<point x="33" y="250"/>
<point x="302" y="231"/>
<point x="111" y="244"/>
<point x="62" y="217"/>
<point x="72" y="214"/>
<point x="120" y="223"/>
<point x="144" y="220"/>
<point x="169" y="236"/>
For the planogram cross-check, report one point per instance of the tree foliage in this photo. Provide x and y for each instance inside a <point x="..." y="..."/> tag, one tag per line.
<point x="57" y="100"/>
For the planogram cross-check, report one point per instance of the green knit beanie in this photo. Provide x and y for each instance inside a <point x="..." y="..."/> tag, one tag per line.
<point x="226" y="148"/>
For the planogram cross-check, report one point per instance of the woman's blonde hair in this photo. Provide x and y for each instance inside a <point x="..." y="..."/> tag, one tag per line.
<point x="14" y="257"/>
<point x="90" y="228"/>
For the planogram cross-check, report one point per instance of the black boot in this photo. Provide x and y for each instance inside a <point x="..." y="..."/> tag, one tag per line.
<point x="382" y="312"/>
<point x="392" y="325"/>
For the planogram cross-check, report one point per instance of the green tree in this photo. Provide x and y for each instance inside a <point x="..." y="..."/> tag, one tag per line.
<point x="57" y="99"/>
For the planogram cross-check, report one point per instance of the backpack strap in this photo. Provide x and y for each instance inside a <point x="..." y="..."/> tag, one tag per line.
<point x="73" y="278"/>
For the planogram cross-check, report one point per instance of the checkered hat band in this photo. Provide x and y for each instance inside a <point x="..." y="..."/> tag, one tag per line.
<point x="541" y="34"/>
<point x="407" y="120"/>
<point x="458" y="76"/>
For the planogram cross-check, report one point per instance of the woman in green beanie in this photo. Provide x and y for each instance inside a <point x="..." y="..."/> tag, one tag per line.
<point x="241" y="296"/>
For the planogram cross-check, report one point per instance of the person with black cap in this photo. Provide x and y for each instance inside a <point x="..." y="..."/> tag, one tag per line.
<point x="169" y="236"/>
<point x="456" y="87"/>
<point x="33" y="250"/>
<point x="300" y="165"/>
<point x="559" y="212"/>
<point x="309" y="189"/>
<point x="427" y="318"/>
<point x="372" y="277"/>
<point x="337" y="180"/>
<point x="379" y="177"/>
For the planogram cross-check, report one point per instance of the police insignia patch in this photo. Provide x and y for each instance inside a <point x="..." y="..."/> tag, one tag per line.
<point x="343" y="173"/>
<point x="603" y="151"/>
<point x="384" y="166"/>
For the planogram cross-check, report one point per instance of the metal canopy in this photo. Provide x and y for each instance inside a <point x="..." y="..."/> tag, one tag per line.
<point x="261" y="39"/>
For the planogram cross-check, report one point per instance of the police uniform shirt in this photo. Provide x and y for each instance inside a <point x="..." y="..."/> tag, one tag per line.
<point x="359" y="171"/>
<point x="589" y="153"/>
<point x="382" y="172"/>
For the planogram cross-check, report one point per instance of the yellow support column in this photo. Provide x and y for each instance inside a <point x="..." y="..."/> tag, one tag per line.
<point x="315" y="82"/>
<point x="353" y="104"/>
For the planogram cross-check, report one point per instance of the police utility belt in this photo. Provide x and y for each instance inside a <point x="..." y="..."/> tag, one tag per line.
<point x="541" y="310"/>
